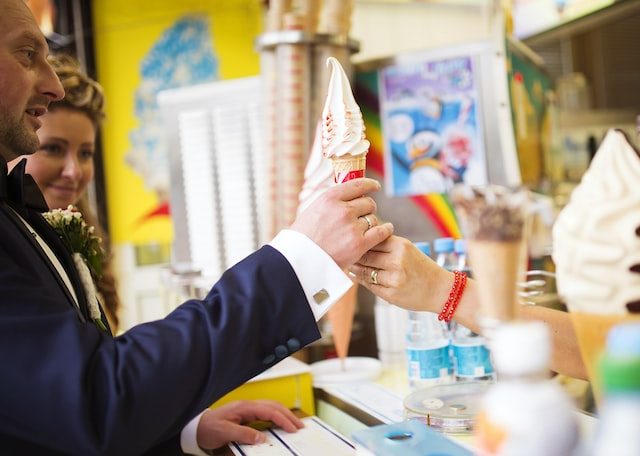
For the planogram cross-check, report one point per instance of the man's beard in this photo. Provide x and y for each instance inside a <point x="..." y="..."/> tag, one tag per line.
<point x="16" y="139"/>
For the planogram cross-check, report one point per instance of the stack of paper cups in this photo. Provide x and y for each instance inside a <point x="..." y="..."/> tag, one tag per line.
<point x="310" y="10"/>
<point x="336" y="19"/>
<point x="269" y="227"/>
<point x="275" y="15"/>
<point x="293" y="95"/>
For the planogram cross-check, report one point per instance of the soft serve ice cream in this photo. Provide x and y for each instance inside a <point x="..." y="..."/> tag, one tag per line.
<point x="343" y="138"/>
<point x="596" y="246"/>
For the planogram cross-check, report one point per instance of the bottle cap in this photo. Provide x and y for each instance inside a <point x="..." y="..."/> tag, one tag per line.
<point x="424" y="247"/>
<point x="620" y="365"/>
<point x="521" y="348"/>
<point x="460" y="246"/>
<point x="623" y="340"/>
<point x="443" y="245"/>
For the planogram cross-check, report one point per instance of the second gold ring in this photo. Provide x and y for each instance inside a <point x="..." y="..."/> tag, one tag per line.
<point x="374" y="276"/>
<point x="369" y="224"/>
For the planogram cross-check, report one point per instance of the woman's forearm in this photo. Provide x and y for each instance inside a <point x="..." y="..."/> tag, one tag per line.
<point x="565" y="355"/>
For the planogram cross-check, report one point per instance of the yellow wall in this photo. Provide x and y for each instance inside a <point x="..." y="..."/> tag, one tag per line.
<point x="125" y="31"/>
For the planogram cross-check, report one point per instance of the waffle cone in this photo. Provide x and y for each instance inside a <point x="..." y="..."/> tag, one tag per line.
<point x="348" y="167"/>
<point x="341" y="317"/>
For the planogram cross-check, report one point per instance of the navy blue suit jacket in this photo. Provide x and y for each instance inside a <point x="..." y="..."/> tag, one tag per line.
<point x="68" y="388"/>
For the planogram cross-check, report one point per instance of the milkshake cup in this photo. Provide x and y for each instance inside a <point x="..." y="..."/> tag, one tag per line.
<point x="493" y="220"/>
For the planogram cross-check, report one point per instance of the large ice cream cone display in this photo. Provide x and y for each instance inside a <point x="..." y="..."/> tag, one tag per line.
<point x="596" y="247"/>
<point x="493" y="219"/>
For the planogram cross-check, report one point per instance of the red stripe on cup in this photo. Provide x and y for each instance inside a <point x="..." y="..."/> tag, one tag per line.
<point x="341" y="178"/>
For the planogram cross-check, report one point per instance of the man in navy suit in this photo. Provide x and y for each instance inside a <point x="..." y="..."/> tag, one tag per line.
<point x="67" y="387"/>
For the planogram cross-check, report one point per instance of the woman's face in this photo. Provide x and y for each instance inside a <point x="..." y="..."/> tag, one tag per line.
<point x="63" y="164"/>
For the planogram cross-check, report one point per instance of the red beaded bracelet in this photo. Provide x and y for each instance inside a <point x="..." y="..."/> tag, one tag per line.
<point x="459" y="284"/>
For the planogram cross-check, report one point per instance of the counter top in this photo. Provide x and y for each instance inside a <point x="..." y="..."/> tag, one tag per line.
<point x="349" y="408"/>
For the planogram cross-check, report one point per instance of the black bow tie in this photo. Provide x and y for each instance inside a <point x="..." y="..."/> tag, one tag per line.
<point x="19" y="189"/>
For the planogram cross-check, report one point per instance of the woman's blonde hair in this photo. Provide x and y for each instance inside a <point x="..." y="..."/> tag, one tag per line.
<point x="81" y="92"/>
<point x="85" y="95"/>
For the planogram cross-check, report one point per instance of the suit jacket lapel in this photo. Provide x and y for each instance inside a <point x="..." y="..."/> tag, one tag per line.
<point x="45" y="259"/>
<point x="51" y="238"/>
<point x="49" y="235"/>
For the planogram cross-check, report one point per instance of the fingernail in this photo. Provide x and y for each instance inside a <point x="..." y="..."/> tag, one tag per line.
<point x="260" y="438"/>
<point x="351" y="274"/>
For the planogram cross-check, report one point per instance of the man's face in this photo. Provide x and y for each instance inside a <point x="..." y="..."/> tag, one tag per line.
<point x="27" y="82"/>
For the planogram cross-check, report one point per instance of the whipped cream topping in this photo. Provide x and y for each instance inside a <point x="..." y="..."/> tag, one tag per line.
<point x="596" y="238"/>
<point x="342" y="124"/>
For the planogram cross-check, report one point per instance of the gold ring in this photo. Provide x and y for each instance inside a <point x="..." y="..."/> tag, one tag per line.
<point x="374" y="276"/>
<point x="369" y="224"/>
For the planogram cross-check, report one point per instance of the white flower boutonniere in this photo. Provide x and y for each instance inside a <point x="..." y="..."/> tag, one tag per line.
<point x="86" y="250"/>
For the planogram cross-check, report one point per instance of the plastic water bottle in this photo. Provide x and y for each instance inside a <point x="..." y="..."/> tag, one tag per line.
<point x="618" y="430"/>
<point x="471" y="357"/>
<point x="445" y="258"/>
<point x="460" y="249"/>
<point x="445" y="254"/>
<point x="525" y="413"/>
<point x="427" y="345"/>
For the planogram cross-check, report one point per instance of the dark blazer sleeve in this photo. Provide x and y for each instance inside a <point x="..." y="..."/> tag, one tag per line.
<point x="169" y="447"/>
<point x="66" y="387"/>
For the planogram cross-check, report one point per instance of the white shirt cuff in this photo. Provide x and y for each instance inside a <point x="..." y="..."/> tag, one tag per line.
<point x="188" y="438"/>
<point x="323" y="282"/>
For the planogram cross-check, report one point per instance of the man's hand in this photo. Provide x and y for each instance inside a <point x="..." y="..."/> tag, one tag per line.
<point x="220" y="426"/>
<point x="342" y="221"/>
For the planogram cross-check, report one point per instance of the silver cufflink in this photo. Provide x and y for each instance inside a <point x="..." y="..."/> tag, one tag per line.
<point x="321" y="296"/>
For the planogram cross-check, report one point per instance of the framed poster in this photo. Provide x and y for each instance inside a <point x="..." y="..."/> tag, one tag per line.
<point x="432" y="125"/>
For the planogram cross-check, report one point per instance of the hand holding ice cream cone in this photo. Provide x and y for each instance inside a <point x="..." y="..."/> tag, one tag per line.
<point x="340" y="138"/>
<point x="344" y="143"/>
